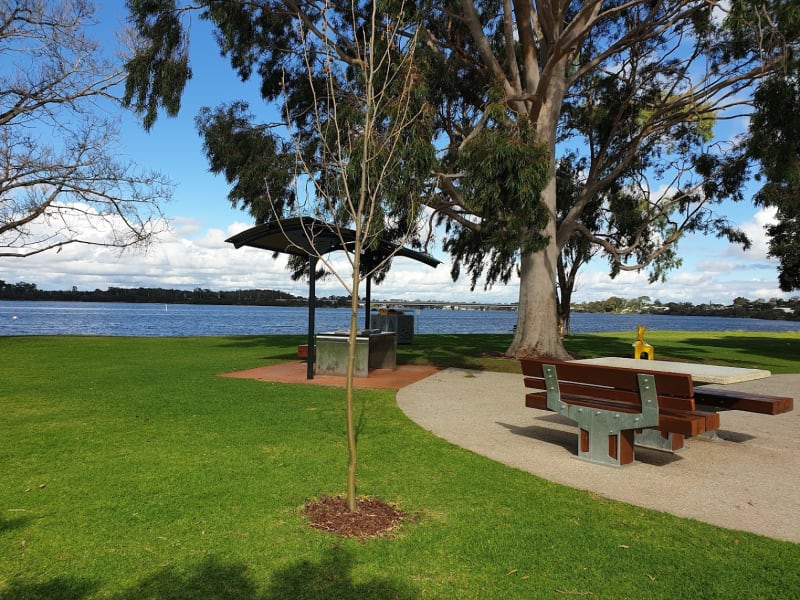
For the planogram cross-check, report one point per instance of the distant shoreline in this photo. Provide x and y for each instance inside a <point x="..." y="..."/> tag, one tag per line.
<point x="151" y="319"/>
<point x="775" y="310"/>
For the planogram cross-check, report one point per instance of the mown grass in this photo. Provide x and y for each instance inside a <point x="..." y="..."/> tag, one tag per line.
<point x="131" y="470"/>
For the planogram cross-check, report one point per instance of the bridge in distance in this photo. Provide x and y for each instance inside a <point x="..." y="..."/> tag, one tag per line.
<point x="413" y="305"/>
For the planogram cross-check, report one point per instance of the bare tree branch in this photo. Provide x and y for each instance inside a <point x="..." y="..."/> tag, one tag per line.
<point x="59" y="180"/>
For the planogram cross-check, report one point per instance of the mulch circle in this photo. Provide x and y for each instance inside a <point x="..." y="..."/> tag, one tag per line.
<point x="372" y="517"/>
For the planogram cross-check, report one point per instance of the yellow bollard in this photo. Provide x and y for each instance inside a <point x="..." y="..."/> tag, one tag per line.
<point x="642" y="349"/>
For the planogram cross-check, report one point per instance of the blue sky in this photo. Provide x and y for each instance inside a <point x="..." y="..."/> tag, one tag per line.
<point x="194" y="254"/>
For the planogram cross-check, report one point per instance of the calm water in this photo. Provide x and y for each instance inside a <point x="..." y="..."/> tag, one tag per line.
<point x="85" y="318"/>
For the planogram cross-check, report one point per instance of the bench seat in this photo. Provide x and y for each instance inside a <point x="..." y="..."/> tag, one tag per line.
<point x="746" y="401"/>
<point x="684" y="422"/>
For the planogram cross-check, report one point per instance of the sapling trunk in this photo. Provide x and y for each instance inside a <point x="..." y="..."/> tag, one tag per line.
<point x="351" y="361"/>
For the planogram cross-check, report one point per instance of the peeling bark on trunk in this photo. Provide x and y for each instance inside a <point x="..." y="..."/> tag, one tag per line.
<point x="537" y="319"/>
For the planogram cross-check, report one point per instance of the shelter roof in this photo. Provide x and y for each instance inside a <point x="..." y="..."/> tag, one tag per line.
<point x="306" y="236"/>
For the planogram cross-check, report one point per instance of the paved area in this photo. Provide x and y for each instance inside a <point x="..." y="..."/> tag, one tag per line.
<point x="297" y="372"/>
<point x="748" y="478"/>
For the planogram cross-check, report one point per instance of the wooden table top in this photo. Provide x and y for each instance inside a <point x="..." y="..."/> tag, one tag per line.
<point x="701" y="373"/>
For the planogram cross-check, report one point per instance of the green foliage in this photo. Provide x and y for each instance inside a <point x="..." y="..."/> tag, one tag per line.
<point x="249" y="297"/>
<point x="775" y="126"/>
<point x="313" y="162"/>
<point x="620" y="121"/>
<point x="257" y="163"/>
<point x="775" y="141"/>
<point x="774" y="309"/>
<point x="578" y="250"/>
<point x="784" y="240"/>
<point x="504" y="170"/>
<point x="496" y="100"/>
<point x="774" y="134"/>
<point x="158" y="72"/>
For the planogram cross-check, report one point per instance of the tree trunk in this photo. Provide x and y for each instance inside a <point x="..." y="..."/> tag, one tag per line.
<point x="566" y="286"/>
<point x="537" y="317"/>
<point x="537" y="331"/>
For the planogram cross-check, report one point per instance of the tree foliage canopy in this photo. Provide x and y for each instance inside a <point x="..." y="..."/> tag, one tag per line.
<point x="774" y="141"/>
<point x="309" y="59"/>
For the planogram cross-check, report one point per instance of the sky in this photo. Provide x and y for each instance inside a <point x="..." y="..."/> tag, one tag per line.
<point x="193" y="253"/>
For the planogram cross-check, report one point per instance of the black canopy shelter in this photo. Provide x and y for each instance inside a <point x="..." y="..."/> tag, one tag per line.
<point x="310" y="238"/>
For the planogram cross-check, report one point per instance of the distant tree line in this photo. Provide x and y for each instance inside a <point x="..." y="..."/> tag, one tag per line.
<point x="254" y="297"/>
<point x="775" y="308"/>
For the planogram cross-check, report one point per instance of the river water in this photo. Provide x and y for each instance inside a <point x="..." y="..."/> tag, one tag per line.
<point x="99" y="318"/>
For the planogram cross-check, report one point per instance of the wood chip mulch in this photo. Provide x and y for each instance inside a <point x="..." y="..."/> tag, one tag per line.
<point x="371" y="518"/>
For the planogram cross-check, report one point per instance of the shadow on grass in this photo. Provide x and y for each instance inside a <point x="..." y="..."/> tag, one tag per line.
<point x="15" y="523"/>
<point x="589" y="345"/>
<point x="277" y="341"/>
<point x="735" y="350"/>
<point x="211" y="579"/>
<point x="461" y="351"/>
<point x="215" y="580"/>
<point x="276" y="347"/>
<point x="62" y="588"/>
<point x="465" y="351"/>
<point x="332" y="578"/>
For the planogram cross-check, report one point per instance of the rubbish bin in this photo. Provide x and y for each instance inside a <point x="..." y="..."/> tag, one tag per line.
<point x="395" y="322"/>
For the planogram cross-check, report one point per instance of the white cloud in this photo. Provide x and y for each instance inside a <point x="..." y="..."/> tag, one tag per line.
<point x="717" y="266"/>
<point x="189" y="256"/>
<point x="185" y="226"/>
<point x="754" y="228"/>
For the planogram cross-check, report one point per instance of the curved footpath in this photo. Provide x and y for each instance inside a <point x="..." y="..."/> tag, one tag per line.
<point x="746" y="479"/>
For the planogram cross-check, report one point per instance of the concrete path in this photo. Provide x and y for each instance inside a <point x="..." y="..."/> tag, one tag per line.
<point x="747" y="479"/>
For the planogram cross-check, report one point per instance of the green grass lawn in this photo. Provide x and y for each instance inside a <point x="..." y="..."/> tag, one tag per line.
<point x="131" y="470"/>
<point x="777" y="352"/>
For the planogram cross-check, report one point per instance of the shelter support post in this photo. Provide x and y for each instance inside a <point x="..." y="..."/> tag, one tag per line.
<point x="368" y="302"/>
<point x="312" y="305"/>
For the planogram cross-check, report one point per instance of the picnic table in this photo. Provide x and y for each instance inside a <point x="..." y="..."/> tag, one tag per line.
<point x="618" y="407"/>
<point x="700" y="372"/>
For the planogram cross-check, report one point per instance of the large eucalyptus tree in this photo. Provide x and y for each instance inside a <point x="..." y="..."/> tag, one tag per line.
<point x="630" y="86"/>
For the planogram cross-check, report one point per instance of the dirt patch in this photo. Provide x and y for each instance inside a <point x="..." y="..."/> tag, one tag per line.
<point x="371" y="518"/>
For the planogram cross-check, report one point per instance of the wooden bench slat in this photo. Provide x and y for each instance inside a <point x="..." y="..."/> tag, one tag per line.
<point x="683" y="424"/>
<point x="710" y="419"/>
<point x="536" y="400"/>
<point x="614" y="394"/>
<point x="732" y="400"/>
<point x="688" y="423"/>
<point x="669" y="384"/>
